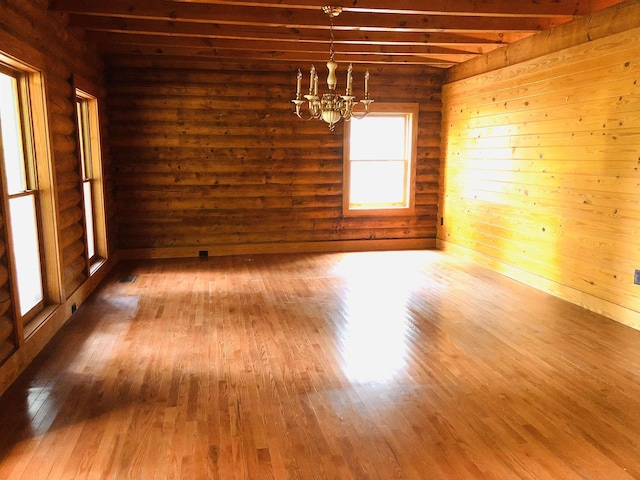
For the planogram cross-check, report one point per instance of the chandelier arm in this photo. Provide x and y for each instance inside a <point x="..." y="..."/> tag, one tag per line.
<point x="311" y="116"/>
<point x="358" y="115"/>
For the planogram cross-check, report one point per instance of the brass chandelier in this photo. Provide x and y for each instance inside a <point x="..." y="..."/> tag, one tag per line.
<point x="330" y="107"/>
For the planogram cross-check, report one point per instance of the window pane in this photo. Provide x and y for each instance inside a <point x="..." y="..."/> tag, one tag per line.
<point x="13" y="152"/>
<point x="88" y="215"/>
<point x="378" y="184"/>
<point x="378" y="138"/>
<point x="26" y="251"/>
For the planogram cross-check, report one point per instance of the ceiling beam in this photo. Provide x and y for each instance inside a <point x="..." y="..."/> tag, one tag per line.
<point x="510" y="8"/>
<point x="472" y="42"/>
<point x="345" y="51"/>
<point x="296" y="18"/>
<point x="274" y="55"/>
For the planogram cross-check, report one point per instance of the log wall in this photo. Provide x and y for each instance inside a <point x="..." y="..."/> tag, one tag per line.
<point x="31" y="35"/>
<point x="541" y="166"/>
<point x="209" y="156"/>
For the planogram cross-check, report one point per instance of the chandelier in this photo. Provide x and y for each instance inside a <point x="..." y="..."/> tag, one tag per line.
<point x="331" y="107"/>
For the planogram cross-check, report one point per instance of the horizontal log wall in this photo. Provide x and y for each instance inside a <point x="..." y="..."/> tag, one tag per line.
<point x="31" y="35"/>
<point x="210" y="156"/>
<point x="8" y="327"/>
<point x="541" y="171"/>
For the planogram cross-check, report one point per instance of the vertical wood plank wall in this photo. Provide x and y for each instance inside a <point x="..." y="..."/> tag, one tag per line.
<point x="32" y="35"/>
<point x="541" y="172"/>
<point x="209" y="156"/>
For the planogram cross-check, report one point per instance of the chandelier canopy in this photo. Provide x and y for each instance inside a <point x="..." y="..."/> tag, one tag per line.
<point x="330" y="107"/>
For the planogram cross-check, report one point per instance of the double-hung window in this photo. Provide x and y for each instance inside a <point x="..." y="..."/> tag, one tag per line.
<point x="380" y="161"/>
<point x="26" y="182"/>
<point x="91" y="170"/>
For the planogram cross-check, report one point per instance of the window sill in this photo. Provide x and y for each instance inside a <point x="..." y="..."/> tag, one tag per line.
<point x="96" y="264"/>
<point x="379" y="212"/>
<point x="39" y="320"/>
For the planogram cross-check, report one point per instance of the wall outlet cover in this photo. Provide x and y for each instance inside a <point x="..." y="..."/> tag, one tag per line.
<point x="636" y="277"/>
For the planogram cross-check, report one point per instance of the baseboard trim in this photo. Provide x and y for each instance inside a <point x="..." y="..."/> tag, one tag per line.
<point x="624" y="315"/>
<point x="260" y="248"/>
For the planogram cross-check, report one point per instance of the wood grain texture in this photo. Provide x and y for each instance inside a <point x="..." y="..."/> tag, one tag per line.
<point x="31" y="35"/>
<point x="541" y="171"/>
<point x="378" y="365"/>
<point x="63" y="55"/>
<point x="8" y="326"/>
<point x="213" y="156"/>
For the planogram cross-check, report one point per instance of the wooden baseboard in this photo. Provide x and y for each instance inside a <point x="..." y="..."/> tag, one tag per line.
<point x="259" y="248"/>
<point x="38" y="339"/>
<point x="611" y="310"/>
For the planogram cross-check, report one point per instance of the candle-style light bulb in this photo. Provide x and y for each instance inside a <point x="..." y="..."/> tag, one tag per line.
<point x="349" y="79"/>
<point x="366" y="84"/>
<point x="299" y="83"/>
<point x="315" y="83"/>
<point x="312" y="77"/>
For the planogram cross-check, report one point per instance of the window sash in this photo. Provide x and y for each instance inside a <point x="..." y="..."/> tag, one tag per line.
<point x="387" y="176"/>
<point x="26" y="252"/>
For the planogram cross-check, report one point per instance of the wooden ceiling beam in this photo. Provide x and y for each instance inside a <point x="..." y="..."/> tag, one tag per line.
<point x="275" y="55"/>
<point x="531" y="8"/>
<point x="302" y="48"/>
<point x="283" y="34"/>
<point x="295" y="18"/>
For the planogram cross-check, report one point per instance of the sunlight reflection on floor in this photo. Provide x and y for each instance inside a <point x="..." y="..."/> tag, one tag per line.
<point x="376" y="297"/>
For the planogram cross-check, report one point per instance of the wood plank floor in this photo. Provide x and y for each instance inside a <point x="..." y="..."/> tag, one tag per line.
<point x="377" y="365"/>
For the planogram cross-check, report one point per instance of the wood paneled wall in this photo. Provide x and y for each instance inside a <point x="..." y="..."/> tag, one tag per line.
<point x="210" y="156"/>
<point x="7" y="322"/>
<point x="33" y="36"/>
<point x="541" y="169"/>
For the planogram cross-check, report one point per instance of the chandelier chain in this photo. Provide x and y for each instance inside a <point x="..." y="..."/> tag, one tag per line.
<point x="331" y="51"/>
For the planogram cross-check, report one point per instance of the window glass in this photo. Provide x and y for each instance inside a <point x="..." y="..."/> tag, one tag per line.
<point x="378" y="138"/>
<point x="12" y="135"/>
<point x="26" y="251"/>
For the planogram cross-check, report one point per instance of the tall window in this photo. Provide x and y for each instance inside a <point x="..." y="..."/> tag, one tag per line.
<point x="91" y="169"/>
<point x="21" y="187"/>
<point x="380" y="152"/>
<point x="28" y="188"/>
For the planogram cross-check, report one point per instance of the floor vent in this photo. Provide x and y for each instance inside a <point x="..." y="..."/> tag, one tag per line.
<point x="128" y="279"/>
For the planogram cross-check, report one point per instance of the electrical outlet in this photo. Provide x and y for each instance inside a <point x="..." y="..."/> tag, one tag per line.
<point x="636" y="277"/>
<point x="203" y="253"/>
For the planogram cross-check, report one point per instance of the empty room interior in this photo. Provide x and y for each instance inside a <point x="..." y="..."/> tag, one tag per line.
<point x="296" y="240"/>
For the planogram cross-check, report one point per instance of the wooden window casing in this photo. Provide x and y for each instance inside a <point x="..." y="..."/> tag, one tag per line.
<point x="404" y="165"/>
<point x="37" y="190"/>
<point x="88" y="128"/>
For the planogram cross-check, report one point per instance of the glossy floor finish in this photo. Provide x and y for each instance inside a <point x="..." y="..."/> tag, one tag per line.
<point x="385" y="365"/>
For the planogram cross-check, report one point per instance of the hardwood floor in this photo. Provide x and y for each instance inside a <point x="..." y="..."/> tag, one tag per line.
<point x="381" y="365"/>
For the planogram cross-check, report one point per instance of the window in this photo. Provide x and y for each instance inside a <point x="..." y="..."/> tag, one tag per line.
<point x="91" y="170"/>
<point x="24" y="155"/>
<point x="380" y="152"/>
